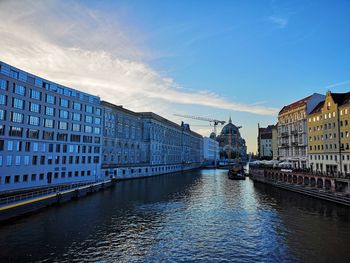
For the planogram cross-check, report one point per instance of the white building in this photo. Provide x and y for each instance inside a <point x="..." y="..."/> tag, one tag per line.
<point x="211" y="150"/>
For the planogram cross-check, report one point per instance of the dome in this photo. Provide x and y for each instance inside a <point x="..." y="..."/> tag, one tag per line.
<point x="229" y="128"/>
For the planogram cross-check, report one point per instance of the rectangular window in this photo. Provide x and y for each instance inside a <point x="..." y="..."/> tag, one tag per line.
<point x="33" y="134"/>
<point x="98" y="121"/>
<point x="63" y="125"/>
<point x="17" y="117"/>
<point x="50" y="99"/>
<point x="63" y="114"/>
<point x="76" y="106"/>
<point x="34" y="107"/>
<point x="48" y="123"/>
<point x="9" y="145"/>
<point x="76" y="117"/>
<point x="33" y="120"/>
<point x="18" y="160"/>
<point x="9" y="160"/>
<point x="2" y="115"/>
<point x="97" y="130"/>
<point x="88" y="109"/>
<point x="17" y="103"/>
<point x="64" y="103"/>
<point x="3" y="84"/>
<point x="88" y="119"/>
<point x="15" y="131"/>
<point x="20" y="90"/>
<point x="98" y="111"/>
<point x="34" y="94"/>
<point x="33" y="178"/>
<point x="3" y="99"/>
<point x="76" y="127"/>
<point x="14" y="74"/>
<point x="49" y="111"/>
<point x="88" y="129"/>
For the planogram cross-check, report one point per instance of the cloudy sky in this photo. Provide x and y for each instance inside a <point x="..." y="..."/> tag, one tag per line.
<point x="244" y="59"/>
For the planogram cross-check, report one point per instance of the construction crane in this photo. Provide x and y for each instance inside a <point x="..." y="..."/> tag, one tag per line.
<point x="214" y="121"/>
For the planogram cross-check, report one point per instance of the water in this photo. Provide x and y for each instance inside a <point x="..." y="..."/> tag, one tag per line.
<point x="190" y="217"/>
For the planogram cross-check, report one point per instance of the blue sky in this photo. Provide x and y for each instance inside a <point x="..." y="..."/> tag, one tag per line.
<point x="244" y="59"/>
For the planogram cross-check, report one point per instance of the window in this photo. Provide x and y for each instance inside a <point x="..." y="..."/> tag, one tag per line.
<point x="88" y="109"/>
<point x="98" y="111"/>
<point x="75" y="127"/>
<point x="88" y="129"/>
<point x="17" y="103"/>
<point x="3" y="84"/>
<point x="18" y="160"/>
<point x="3" y="99"/>
<point x="33" y="134"/>
<point x="63" y="125"/>
<point x="63" y="114"/>
<point x="64" y="103"/>
<point x="33" y="178"/>
<point x="34" y="94"/>
<point x="98" y="121"/>
<point x="97" y="130"/>
<point x="16" y="117"/>
<point x="88" y="119"/>
<point x="14" y="74"/>
<point x="20" y="90"/>
<point x="76" y="106"/>
<point x="2" y="143"/>
<point x="34" y="107"/>
<point x="33" y="120"/>
<point x="2" y="115"/>
<point x="49" y="111"/>
<point x="15" y="131"/>
<point x="76" y="117"/>
<point x="50" y="99"/>
<point x="9" y="160"/>
<point x="48" y="123"/>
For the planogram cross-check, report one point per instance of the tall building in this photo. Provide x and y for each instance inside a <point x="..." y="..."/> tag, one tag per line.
<point x="265" y="142"/>
<point x="231" y="144"/>
<point x="49" y="134"/>
<point x="210" y="151"/>
<point x="328" y="133"/>
<point x="292" y="130"/>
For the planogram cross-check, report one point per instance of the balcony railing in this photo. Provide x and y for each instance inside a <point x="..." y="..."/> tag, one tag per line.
<point x="284" y="134"/>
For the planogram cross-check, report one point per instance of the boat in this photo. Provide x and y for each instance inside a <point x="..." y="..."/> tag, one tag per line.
<point x="236" y="173"/>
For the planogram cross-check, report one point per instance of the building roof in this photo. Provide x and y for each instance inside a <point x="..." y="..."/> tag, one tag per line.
<point x="317" y="108"/>
<point x="295" y="105"/>
<point x="341" y="98"/>
<point x="266" y="136"/>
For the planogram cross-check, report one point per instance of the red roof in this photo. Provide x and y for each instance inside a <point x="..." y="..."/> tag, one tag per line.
<point x="295" y="104"/>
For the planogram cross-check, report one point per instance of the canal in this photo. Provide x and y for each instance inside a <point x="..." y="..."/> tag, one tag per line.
<point x="190" y="217"/>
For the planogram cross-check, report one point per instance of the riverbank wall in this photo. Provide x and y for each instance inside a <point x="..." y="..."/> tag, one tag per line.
<point x="25" y="207"/>
<point x="332" y="189"/>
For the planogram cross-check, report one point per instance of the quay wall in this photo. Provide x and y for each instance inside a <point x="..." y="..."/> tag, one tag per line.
<point x="16" y="210"/>
<point x="328" y="188"/>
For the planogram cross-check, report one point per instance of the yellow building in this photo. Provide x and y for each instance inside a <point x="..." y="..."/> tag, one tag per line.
<point x="328" y="134"/>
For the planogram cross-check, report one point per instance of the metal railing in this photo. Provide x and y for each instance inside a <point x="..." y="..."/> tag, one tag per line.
<point x="26" y="196"/>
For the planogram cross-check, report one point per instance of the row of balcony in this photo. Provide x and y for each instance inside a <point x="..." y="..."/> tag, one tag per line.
<point x="287" y="144"/>
<point x="292" y="132"/>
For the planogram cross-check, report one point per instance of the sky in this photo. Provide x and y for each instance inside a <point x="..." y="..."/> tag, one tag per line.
<point x="214" y="59"/>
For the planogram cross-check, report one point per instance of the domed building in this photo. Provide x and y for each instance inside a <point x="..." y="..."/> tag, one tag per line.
<point x="231" y="144"/>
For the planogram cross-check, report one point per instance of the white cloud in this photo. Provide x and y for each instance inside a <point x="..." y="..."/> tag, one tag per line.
<point x="338" y="84"/>
<point x="82" y="49"/>
<point x="281" y="22"/>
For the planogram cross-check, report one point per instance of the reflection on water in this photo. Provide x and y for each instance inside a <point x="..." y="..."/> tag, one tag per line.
<point x="195" y="216"/>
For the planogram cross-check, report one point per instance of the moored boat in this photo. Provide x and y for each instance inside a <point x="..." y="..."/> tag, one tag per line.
<point x="236" y="173"/>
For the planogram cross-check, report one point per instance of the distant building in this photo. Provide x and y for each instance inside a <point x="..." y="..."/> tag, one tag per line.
<point x="210" y="151"/>
<point x="231" y="144"/>
<point x="328" y="132"/>
<point x="274" y="143"/>
<point x="292" y="130"/>
<point x="265" y="142"/>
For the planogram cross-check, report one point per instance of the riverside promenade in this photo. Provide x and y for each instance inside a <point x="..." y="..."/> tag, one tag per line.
<point x="330" y="187"/>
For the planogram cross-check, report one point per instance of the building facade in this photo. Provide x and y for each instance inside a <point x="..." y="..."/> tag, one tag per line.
<point x="265" y="150"/>
<point x="274" y="143"/>
<point x="328" y="134"/>
<point x="292" y="130"/>
<point x="210" y="151"/>
<point x="49" y="134"/>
